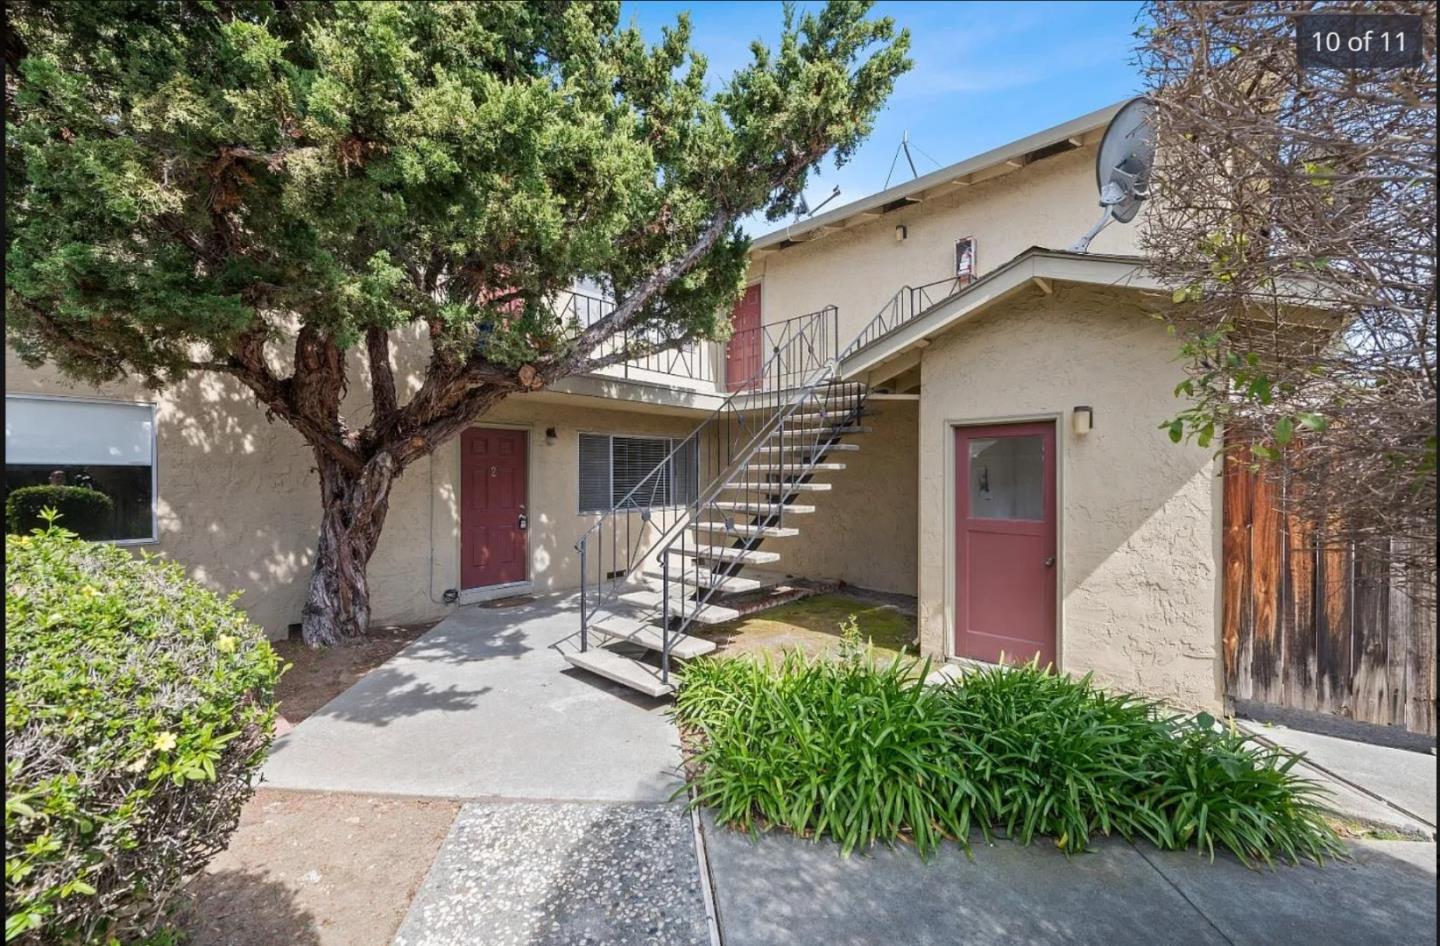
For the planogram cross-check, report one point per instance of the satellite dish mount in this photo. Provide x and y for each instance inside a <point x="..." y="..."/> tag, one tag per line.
<point x="1122" y="169"/>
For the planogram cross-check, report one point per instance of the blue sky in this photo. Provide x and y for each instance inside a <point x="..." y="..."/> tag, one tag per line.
<point x="985" y="73"/>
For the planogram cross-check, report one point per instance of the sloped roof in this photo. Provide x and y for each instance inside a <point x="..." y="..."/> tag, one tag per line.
<point x="1067" y="136"/>
<point x="1037" y="265"/>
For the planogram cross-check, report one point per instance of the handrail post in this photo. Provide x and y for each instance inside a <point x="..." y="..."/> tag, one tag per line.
<point x="584" y="550"/>
<point x="665" y="616"/>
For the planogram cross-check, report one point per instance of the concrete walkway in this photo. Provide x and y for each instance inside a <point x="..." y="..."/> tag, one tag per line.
<point x="1384" y="786"/>
<point x="484" y="705"/>
<point x="570" y="834"/>
<point x="577" y="838"/>
<point x="778" y="889"/>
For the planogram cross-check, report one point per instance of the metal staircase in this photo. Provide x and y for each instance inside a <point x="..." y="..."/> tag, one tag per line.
<point x="666" y="555"/>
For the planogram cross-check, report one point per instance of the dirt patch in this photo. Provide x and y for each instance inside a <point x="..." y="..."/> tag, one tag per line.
<point x="308" y="869"/>
<point x="317" y="676"/>
<point x="813" y="625"/>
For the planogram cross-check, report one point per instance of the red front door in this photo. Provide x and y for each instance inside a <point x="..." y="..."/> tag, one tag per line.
<point x="492" y="507"/>
<point x="1005" y="542"/>
<point x="742" y="352"/>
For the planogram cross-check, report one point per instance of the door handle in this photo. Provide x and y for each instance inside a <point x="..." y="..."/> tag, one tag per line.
<point x="522" y="523"/>
<point x="1050" y="562"/>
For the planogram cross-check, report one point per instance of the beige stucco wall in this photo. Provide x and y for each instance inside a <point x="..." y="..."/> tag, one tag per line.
<point x="1050" y="203"/>
<point x="238" y="503"/>
<point x="863" y="530"/>
<point x="1139" y="527"/>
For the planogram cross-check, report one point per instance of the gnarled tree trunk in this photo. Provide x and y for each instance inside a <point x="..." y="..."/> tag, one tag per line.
<point x="337" y="604"/>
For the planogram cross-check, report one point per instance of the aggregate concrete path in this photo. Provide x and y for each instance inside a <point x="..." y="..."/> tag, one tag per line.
<point x="778" y="889"/>
<point x="558" y="875"/>
<point x="576" y="839"/>
<point x="484" y="705"/>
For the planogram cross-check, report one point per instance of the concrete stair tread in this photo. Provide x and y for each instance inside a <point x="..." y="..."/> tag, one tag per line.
<point x="799" y="467"/>
<point x="632" y="673"/>
<point x="811" y="447"/>
<point x="773" y="487"/>
<point x="744" y="530"/>
<point x="648" y="635"/>
<point x="762" y="509"/>
<point x="724" y="553"/>
<point x="837" y="431"/>
<point x="651" y="600"/>
<point x="706" y="579"/>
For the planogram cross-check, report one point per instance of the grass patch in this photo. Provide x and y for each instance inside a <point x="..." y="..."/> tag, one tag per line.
<point x="864" y="754"/>
<point x="814" y="625"/>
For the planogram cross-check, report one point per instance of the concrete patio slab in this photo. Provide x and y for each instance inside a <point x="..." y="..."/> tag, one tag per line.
<point x="1402" y="777"/>
<point x="484" y="705"/>
<point x="778" y="888"/>
<point x="521" y="874"/>
<point x="1384" y="894"/>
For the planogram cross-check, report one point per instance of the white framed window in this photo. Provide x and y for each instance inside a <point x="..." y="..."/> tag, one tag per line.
<point x="965" y="260"/>
<point x="638" y="471"/>
<point x="106" y="446"/>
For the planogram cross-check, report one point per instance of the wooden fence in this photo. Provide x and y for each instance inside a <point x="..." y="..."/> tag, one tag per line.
<point x="1318" y="625"/>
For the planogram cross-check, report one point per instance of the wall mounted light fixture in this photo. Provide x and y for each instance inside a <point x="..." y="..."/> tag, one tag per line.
<point x="901" y="233"/>
<point x="551" y="436"/>
<point x="1082" y="419"/>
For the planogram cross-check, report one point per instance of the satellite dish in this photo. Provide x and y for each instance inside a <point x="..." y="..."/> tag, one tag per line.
<point x="1122" y="169"/>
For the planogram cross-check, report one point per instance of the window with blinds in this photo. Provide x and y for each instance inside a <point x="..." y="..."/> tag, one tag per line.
<point x="634" y="471"/>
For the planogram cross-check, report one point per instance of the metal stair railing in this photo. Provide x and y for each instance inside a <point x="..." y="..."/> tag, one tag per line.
<point x="794" y="462"/>
<point x="664" y="503"/>
<point x="802" y="431"/>
<point x="908" y="302"/>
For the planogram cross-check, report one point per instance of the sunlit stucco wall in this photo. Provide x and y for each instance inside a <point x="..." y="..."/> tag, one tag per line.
<point x="238" y="501"/>
<point x="1050" y="203"/>
<point x="1139" y="515"/>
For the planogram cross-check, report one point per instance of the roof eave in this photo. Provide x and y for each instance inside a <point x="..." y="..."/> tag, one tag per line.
<point x="1033" y="266"/>
<point x="1007" y="156"/>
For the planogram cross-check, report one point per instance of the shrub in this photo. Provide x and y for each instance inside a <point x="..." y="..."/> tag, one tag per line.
<point x="865" y="754"/>
<point x="84" y="510"/>
<point x="138" y="705"/>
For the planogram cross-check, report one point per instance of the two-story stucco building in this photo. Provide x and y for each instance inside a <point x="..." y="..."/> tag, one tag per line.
<point x="984" y="435"/>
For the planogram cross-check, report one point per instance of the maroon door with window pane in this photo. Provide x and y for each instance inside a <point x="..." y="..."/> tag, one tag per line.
<point x="492" y="507"/>
<point x="1005" y="542"/>
<point x="743" y="351"/>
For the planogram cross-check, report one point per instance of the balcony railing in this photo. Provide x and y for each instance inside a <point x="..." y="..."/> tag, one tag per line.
<point x="691" y="360"/>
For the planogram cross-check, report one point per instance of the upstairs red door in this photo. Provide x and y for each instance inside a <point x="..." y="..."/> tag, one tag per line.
<point x="492" y="507"/>
<point x="1005" y="542"/>
<point x="742" y="352"/>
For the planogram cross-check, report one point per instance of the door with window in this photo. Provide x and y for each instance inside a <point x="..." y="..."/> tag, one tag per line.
<point x="493" y="477"/>
<point x="743" y="351"/>
<point x="1005" y="542"/>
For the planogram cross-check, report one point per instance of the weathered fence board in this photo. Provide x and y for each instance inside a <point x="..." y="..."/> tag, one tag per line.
<point x="1314" y="623"/>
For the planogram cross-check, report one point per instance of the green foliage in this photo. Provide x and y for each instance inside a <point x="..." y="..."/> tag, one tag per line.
<point x="864" y="754"/>
<point x="85" y="510"/>
<point x="138" y="707"/>
<point x="200" y="172"/>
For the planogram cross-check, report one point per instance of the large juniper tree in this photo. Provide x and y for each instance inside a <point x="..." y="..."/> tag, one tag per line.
<point x="231" y="187"/>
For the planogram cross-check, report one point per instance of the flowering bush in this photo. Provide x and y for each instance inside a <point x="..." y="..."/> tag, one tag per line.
<point x="138" y="706"/>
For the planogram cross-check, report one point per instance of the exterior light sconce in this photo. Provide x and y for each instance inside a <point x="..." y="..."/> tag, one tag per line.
<point x="901" y="233"/>
<point x="551" y="436"/>
<point x="1082" y="419"/>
